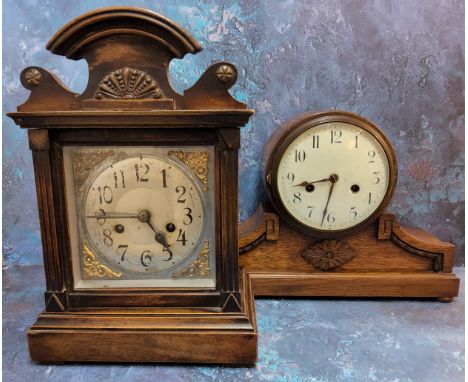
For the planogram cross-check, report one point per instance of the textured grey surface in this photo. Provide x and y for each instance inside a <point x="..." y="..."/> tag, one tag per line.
<point x="299" y="340"/>
<point x="399" y="63"/>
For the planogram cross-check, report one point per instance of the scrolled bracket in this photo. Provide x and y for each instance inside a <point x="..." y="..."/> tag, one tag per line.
<point x="212" y="89"/>
<point x="417" y="242"/>
<point x="47" y="91"/>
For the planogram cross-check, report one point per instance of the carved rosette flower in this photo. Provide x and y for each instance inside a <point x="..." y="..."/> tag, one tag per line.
<point x="33" y="77"/>
<point x="224" y="73"/>
<point x="328" y="254"/>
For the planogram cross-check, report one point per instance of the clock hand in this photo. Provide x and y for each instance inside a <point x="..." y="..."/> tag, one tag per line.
<point x="159" y="236"/>
<point x="112" y="216"/>
<point x="329" y="179"/>
<point x="144" y="216"/>
<point x="333" y="178"/>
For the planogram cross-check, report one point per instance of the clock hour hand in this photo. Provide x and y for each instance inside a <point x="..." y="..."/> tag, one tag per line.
<point x="144" y="216"/>
<point x="159" y="236"/>
<point x="333" y="178"/>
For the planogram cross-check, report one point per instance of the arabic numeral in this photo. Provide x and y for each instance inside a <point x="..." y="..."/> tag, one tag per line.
<point x="182" y="190"/>
<point x="290" y="177"/>
<point x="188" y="219"/>
<point x="299" y="156"/>
<point x="165" y="249"/>
<point x="107" y="239"/>
<point x="297" y="198"/>
<point x="371" y="155"/>
<point x="331" y="217"/>
<point x="101" y="217"/>
<point x="105" y="194"/>
<point x="164" y="178"/>
<point x="181" y="237"/>
<point x="146" y="258"/>
<point x="311" y="208"/>
<point x="376" y="179"/>
<point x="335" y="136"/>
<point x="353" y="213"/>
<point x="123" y="249"/>
<point x="141" y="176"/>
<point x="119" y="178"/>
<point x="315" y="141"/>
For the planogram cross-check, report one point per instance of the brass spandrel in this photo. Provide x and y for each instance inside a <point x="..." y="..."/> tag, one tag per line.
<point x="200" y="267"/>
<point x="197" y="161"/>
<point x="93" y="268"/>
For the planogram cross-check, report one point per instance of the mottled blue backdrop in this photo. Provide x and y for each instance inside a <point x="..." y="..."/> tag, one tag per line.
<point x="399" y="63"/>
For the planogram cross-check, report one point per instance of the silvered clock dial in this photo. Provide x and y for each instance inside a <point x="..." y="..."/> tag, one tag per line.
<point x="142" y="216"/>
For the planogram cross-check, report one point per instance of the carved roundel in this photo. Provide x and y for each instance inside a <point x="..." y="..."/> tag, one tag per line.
<point x="33" y="77"/>
<point x="225" y="74"/>
<point x="128" y="84"/>
<point x="328" y="254"/>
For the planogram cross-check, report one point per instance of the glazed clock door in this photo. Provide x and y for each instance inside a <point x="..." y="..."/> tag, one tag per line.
<point x="141" y="216"/>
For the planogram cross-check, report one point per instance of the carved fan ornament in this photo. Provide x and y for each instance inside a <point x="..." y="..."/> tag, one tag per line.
<point x="127" y="84"/>
<point x="328" y="254"/>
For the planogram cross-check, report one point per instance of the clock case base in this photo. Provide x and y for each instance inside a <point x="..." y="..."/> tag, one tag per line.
<point x="148" y="335"/>
<point x="384" y="260"/>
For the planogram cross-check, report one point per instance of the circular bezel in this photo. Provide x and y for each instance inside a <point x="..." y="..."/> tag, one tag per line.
<point x="113" y="161"/>
<point x="289" y="132"/>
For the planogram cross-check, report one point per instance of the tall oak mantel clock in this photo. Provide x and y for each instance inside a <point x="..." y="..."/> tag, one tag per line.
<point x="138" y="203"/>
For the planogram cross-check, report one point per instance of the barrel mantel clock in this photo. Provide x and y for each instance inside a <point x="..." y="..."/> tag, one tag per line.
<point x="137" y="197"/>
<point x="325" y="231"/>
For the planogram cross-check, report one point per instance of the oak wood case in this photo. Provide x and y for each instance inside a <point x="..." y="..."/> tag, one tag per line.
<point x="376" y="258"/>
<point x="388" y="260"/>
<point x="145" y="324"/>
<point x="147" y="334"/>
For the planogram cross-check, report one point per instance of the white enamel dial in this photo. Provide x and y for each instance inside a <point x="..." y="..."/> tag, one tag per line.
<point x="333" y="176"/>
<point x="143" y="215"/>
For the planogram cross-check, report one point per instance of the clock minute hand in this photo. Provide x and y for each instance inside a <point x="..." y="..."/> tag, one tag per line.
<point x="328" y="201"/>
<point x="112" y="216"/>
<point x="333" y="178"/>
<point x="304" y="184"/>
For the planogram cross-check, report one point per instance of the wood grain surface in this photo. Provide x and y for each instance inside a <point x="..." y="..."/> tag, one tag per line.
<point x="148" y="335"/>
<point x="389" y="261"/>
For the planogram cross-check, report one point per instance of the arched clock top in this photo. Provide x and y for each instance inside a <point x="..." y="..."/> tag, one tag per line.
<point x="128" y="51"/>
<point x="75" y="38"/>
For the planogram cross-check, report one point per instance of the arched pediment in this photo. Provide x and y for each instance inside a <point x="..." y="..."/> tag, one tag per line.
<point x="128" y="51"/>
<point x="73" y="39"/>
